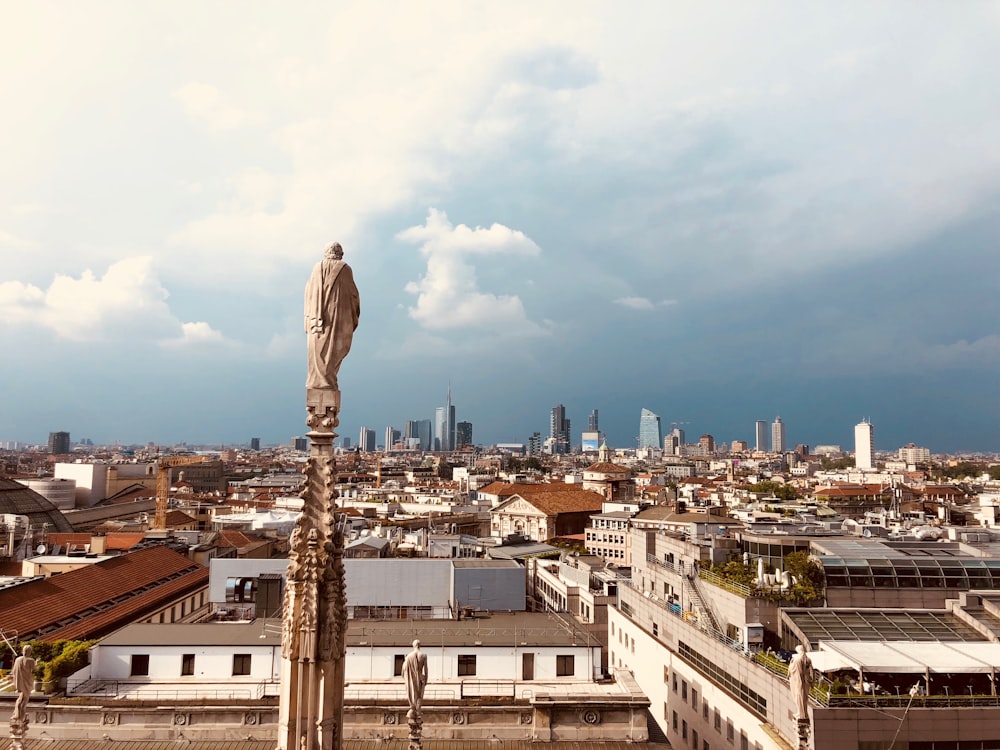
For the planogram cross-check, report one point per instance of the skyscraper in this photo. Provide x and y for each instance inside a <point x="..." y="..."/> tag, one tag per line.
<point x="762" y="442"/>
<point x="255" y="444"/>
<point x="559" y="429"/>
<point x="864" y="445"/>
<point x="778" y="436"/>
<point x="535" y="444"/>
<point x="463" y="434"/>
<point x="592" y="425"/>
<point x="444" y="425"/>
<point x="391" y="437"/>
<point x="420" y="429"/>
<point x="59" y="442"/>
<point x="650" y="433"/>
<point x="366" y="440"/>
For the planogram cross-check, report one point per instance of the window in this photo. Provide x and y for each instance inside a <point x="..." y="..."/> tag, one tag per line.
<point x="704" y="710"/>
<point x="612" y="630"/>
<point x="187" y="665"/>
<point x="666" y="674"/>
<point x="241" y="664"/>
<point x="140" y="665"/>
<point x="397" y="664"/>
<point x="694" y="698"/>
<point x="675" y="720"/>
<point x="675" y="682"/>
<point x="565" y="666"/>
<point x="718" y="721"/>
<point x="684" y="690"/>
<point x="466" y="665"/>
<point x="744" y="742"/>
<point x="684" y="729"/>
<point x="656" y="629"/>
<point x="666" y="714"/>
<point x="729" y="730"/>
<point x="694" y="739"/>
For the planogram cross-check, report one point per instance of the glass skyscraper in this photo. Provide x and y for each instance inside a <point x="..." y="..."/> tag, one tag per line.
<point x="650" y="434"/>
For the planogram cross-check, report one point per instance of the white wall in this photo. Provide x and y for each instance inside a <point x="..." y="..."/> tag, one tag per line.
<point x="211" y="663"/>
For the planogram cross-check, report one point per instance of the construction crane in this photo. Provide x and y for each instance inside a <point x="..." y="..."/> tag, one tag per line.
<point x="163" y="484"/>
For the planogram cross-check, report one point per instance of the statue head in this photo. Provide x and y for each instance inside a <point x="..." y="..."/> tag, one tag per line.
<point x="416" y="644"/>
<point x="335" y="251"/>
<point x="27" y="651"/>
<point x="799" y="649"/>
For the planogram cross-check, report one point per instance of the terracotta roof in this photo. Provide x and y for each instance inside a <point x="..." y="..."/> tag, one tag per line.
<point x="99" y="598"/>
<point x="565" y="501"/>
<point x="606" y="467"/>
<point x="179" y="518"/>
<point x="233" y="538"/>
<point x="123" y="540"/>
<point x="524" y="489"/>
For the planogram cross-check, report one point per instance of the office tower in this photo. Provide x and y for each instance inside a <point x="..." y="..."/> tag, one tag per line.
<point x="59" y="442"/>
<point x="650" y="434"/>
<point x="366" y="440"/>
<point x="346" y="443"/>
<point x="778" y="436"/>
<point x="864" y="445"/>
<point x="422" y="431"/>
<point x="559" y="429"/>
<point x="707" y="444"/>
<point x="592" y="425"/>
<point x="300" y="443"/>
<point x="255" y="444"/>
<point x="670" y="444"/>
<point x="535" y="444"/>
<point x="444" y="425"/>
<point x="463" y="434"/>
<point x="762" y="442"/>
<point x="392" y="436"/>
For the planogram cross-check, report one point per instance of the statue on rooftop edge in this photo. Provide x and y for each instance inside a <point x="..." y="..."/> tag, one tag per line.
<point x="332" y="309"/>
<point x="800" y="680"/>
<point x="415" y="674"/>
<point x="24" y="680"/>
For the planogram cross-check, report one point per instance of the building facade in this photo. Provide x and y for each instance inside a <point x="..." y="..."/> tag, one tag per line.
<point x="650" y="433"/>
<point x="864" y="445"/>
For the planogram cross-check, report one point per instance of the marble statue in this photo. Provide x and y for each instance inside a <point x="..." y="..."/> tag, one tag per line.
<point x="415" y="674"/>
<point x="800" y="680"/>
<point x="332" y="309"/>
<point x="24" y="680"/>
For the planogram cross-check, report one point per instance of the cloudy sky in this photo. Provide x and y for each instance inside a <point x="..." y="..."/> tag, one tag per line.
<point x="718" y="211"/>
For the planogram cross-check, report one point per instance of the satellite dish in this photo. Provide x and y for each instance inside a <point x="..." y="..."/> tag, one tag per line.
<point x="41" y="549"/>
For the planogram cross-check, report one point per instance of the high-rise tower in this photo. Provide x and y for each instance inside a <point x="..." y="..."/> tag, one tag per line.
<point x="592" y="425"/>
<point x="559" y="429"/>
<point x="650" y="433"/>
<point x="778" y="436"/>
<point x="444" y="425"/>
<point x="59" y="443"/>
<point x="762" y="441"/>
<point x="864" y="445"/>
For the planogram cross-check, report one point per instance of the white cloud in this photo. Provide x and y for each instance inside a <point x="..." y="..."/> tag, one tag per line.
<point x="201" y="102"/>
<point x="127" y="301"/>
<point x="195" y="334"/>
<point x="643" y="303"/>
<point x="448" y="296"/>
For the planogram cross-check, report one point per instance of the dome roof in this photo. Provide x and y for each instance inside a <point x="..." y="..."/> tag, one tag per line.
<point x="17" y="499"/>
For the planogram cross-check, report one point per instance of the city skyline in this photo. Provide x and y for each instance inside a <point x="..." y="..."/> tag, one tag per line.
<point x="768" y="211"/>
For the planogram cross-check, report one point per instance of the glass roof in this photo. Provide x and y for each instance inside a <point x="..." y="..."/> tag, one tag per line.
<point x="861" y="625"/>
<point x="961" y="573"/>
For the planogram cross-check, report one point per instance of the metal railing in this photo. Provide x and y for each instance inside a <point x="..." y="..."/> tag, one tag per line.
<point x="737" y="588"/>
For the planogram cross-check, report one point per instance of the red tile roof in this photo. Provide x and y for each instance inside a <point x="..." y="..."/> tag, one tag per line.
<point x="92" y="601"/>
<point x="524" y="489"/>
<point x="567" y="500"/>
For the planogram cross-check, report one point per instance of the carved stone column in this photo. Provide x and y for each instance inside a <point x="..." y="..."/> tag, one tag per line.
<point x="314" y="619"/>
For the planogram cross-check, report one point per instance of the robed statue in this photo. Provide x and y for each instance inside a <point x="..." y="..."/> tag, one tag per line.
<point x="332" y="309"/>
<point x="415" y="675"/>
<point x="24" y="680"/>
<point x="800" y="680"/>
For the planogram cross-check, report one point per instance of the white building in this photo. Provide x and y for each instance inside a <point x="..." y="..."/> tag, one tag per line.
<point x="778" y="436"/>
<point x="864" y="445"/>
<point x="244" y="659"/>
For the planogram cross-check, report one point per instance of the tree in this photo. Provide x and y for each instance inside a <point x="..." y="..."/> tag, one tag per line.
<point x="807" y="575"/>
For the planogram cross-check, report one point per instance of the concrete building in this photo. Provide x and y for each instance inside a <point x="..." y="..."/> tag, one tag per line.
<point x="544" y="515"/>
<point x="864" y="445"/>
<point x="778" y="436"/>
<point x="417" y="588"/>
<point x="463" y="435"/>
<point x="59" y="443"/>
<point x="366" y="440"/>
<point x="60" y="492"/>
<point x="422" y="431"/>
